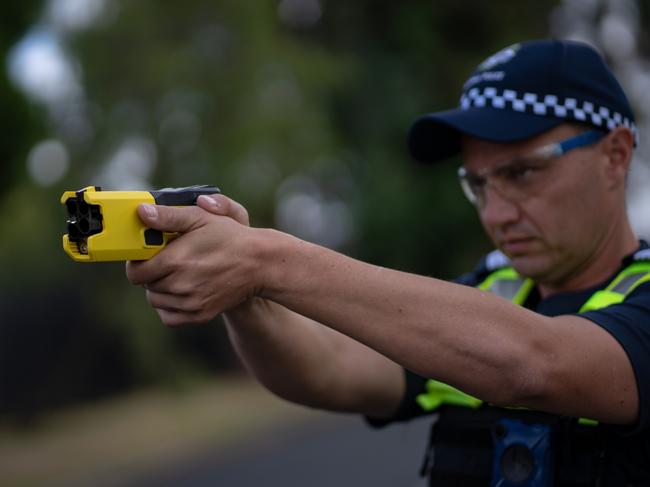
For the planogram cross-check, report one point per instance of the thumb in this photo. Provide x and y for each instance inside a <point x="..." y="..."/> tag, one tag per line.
<point x="169" y="218"/>
<point x="219" y="204"/>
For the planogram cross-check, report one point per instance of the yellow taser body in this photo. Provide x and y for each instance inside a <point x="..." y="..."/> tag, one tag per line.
<point x="105" y="226"/>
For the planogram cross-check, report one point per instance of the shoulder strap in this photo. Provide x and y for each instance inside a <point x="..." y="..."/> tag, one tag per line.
<point x="623" y="284"/>
<point x="508" y="284"/>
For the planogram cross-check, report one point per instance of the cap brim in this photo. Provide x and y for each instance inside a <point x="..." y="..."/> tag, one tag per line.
<point x="436" y="136"/>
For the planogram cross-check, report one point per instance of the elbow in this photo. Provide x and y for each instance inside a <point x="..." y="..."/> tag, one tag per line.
<point x="530" y="387"/>
<point x="528" y="381"/>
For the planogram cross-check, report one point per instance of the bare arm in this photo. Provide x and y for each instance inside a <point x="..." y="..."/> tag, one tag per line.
<point x="474" y="340"/>
<point x="468" y="338"/>
<point x="291" y="355"/>
<point x="305" y="362"/>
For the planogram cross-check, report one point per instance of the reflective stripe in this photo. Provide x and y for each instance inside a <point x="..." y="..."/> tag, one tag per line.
<point x="439" y="393"/>
<point x="601" y="299"/>
<point x="508" y="284"/>
<point x="524" y="292"/>
<point x="627" y="281"/>
<point x="507" y="273"/>
<point x="639" y="282"/>
<point x="587" y="422"/>
<point x="506" y="288"/>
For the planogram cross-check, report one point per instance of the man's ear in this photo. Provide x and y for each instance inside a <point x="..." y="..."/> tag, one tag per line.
<point x="618" y="146"/>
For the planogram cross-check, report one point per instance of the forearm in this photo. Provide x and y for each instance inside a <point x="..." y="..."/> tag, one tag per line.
<point x="476" y="341"/>
<point x="468" y="338"/>
<point x="305" y="362"/>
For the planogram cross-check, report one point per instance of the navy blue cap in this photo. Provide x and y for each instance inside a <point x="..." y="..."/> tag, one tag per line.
<point x="522" y="91"/>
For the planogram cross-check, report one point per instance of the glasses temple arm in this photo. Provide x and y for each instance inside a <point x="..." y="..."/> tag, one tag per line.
<point x="581" y="140"/>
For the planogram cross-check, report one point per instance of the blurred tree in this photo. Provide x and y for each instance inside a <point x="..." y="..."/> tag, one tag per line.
<point x="228" y="94"/>
<point x="296" y="108"/>
<point x="20" y="123"/>
<point x="413" y="58"/>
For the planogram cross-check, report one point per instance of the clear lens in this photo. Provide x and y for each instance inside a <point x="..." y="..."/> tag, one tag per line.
<point x="523" y="176"/>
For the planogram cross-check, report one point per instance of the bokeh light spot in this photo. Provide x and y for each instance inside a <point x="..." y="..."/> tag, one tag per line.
<point x="47" y="162"/>
<point x="300" y="13"/>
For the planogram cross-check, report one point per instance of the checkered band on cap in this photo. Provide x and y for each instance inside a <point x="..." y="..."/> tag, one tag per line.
<point x="549" y="105"/>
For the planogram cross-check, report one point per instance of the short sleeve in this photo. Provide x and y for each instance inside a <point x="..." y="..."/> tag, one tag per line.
<point x="408" y="408"/>
<point x="629" y="323"/>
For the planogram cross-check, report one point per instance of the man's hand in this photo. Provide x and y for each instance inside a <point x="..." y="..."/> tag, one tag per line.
<point x="208" y="269"/>
<point x="220" y="204"/>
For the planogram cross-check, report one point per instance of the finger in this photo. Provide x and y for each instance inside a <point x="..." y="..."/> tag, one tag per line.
<point x="169" y="284"/>
<point x="146" y="272"/>
<point x="172" y="302"/>
<point x="220" y="204"/>
<point x="173" y="318"/>
<point x="171" y="219"/>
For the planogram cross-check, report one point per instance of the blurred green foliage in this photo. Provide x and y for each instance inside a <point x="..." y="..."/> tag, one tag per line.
<point x="19" y="123"/>
<point x="225" y="92"/>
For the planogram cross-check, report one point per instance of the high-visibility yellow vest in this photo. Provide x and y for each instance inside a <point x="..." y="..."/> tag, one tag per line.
<point x="505" y="282"/>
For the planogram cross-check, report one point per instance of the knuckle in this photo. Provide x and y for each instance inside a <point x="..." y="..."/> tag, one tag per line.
<point x="170" y="322"/>
<point x="152" y="298"/>
<point x="167" y="216"/>
<point x="168" y="318"/>
<point x="179" y="219"/>
<point x="132" y="273"/>
<point x="171" y="259"/>
<point x="202" y="318"/>
<point x="194" y="212"/>
<point x="177" y="289"/>
<point x="176" y="263"/>
<point x="193" y="304"/>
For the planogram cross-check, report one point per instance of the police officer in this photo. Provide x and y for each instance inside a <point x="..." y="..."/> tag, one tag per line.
<point x="537" y="364"/>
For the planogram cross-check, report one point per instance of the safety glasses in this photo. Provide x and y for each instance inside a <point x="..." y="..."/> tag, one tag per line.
<point x="523" y="176"/>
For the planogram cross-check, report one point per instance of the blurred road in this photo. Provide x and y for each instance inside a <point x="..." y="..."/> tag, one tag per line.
<point x="333" y="450"/>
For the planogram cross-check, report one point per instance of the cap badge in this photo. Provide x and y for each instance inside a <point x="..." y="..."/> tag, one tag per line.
<point x="501" y="57"/>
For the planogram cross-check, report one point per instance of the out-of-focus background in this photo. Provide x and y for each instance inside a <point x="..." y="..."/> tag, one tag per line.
<point x="296" y="108"/>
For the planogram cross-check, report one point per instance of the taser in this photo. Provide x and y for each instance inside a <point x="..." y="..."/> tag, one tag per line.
<point x="105" y="226"/>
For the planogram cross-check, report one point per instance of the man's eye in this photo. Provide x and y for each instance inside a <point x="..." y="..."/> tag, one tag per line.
<point x="518" y="173"/>
<point x="476" y="182"/>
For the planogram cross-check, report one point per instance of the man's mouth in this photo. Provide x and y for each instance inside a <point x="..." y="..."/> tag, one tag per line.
<point x="517" y="246"/>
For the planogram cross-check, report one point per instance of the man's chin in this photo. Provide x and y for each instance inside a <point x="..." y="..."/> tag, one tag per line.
<point x="530" y="265"/>
<point x="528" y="256"/>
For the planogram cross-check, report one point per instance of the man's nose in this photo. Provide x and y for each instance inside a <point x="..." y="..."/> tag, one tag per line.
<point x="498" y="210"/>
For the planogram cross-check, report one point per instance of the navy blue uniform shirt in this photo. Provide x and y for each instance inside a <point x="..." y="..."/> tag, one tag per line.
<point x="628" y="322"/>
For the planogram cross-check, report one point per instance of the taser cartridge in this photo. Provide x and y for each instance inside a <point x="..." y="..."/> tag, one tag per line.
<point x="105" y="226"/>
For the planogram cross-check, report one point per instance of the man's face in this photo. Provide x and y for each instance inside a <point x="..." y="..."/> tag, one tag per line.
<point x="552" y="232"/>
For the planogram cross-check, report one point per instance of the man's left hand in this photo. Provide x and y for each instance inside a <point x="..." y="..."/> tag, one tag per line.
<point x="209" y="268"/>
